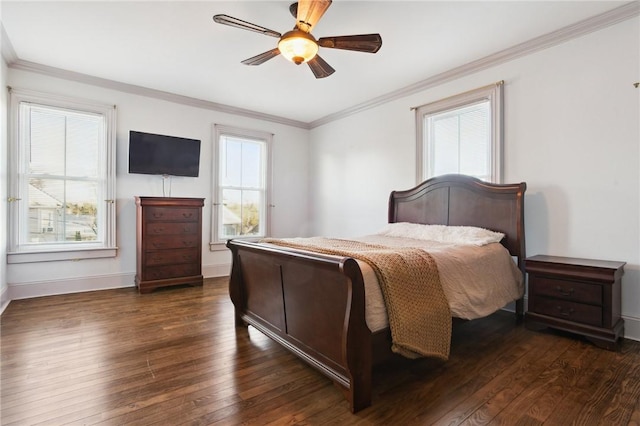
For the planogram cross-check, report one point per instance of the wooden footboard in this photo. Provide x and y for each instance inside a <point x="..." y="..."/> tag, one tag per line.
<point x="311" y="304"/>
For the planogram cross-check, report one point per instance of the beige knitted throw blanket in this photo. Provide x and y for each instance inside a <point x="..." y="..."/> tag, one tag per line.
<point x="418" y="310"/>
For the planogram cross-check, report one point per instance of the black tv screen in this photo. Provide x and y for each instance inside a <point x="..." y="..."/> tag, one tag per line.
<point x="153" y="154"/>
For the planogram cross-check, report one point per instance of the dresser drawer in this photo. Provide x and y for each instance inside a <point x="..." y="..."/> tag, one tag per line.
<point x="161" y="242"/>
<point x="570" y="311"/>
<point x="171" y="228"/>
<point x="170" y="257"/>
<point x="171" y="214"/>
<point x="171" y="271"/>
<point x="567" y="290"/>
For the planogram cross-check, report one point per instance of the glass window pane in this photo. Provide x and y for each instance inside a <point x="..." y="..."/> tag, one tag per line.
<point x="231" y="213"/>
<point x="83" y="141"/>
<point x="242" y="213"/>
<point x="445" y="153"/>
<point x="475" y="140"/>
<point x="46" y="211"/>
<point x="251" y="213"/>
<point x="81" y="220"/>
<point x="62" y="211"/>
<point x="241" y="163"/>
<point x="251" y="165"/>
<point x="459" y="141"/>
<point x="47" y="144"/>
<point x="230" y="162"/>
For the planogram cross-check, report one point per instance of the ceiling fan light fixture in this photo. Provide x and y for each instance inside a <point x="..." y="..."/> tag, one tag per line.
<point x="298" y="46"/>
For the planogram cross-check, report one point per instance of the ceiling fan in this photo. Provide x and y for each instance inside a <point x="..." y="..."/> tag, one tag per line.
<point x="298" y="45"/>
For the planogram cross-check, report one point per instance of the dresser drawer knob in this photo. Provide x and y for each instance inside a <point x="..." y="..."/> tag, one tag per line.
<point x="187" y="215"/>
<point x="564" y="292"/>
<point x="564" y="313"/>
<point x="157" y="215"/>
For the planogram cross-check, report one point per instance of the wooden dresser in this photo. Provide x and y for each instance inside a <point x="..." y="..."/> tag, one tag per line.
<point x="168" y="242"/>
<point x="577" y="295"/>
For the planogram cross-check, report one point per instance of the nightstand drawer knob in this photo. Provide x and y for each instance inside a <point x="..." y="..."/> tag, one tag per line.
<point x="564" y="292"/>
<point x="566" y="313"/>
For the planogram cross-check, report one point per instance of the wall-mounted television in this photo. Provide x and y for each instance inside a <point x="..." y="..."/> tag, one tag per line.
<point x="153" y="154"/>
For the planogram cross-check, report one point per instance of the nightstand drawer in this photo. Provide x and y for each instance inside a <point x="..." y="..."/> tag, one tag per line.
<point x="567" y="290"/>
<point x="570" y="311"/>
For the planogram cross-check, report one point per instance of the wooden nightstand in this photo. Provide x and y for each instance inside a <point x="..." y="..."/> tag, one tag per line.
<point x="576" y="295"/>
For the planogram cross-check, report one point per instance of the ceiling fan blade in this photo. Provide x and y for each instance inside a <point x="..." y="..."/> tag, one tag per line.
<point x="309" y="13"/>
<point x="262" y="58"/>
<point x="320" y="67"/>
<point x="239" y="23"/>
<point x="370" y="43"/>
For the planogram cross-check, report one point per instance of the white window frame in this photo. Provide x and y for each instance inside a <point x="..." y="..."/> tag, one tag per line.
<point x="18" y="253"/>
<point x="260" y="136"/>
<point x="491" y="93"/>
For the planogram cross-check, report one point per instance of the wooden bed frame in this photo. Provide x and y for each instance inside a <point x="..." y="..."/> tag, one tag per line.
<point x="314" y="305"/>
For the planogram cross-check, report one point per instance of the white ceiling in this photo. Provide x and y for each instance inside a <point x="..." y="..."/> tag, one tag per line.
<point x="175" y="47"/>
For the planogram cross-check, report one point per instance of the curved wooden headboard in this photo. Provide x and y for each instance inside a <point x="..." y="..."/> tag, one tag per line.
<point x="458" y="200"/>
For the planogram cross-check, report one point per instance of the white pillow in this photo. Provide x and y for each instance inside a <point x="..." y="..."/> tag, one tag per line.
<point x="469" y="235"/>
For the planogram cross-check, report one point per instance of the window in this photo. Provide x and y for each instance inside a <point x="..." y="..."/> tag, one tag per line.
<point x="241" y="184"/>
<point x="461" y="135"/>
<point x="62" y="186"/>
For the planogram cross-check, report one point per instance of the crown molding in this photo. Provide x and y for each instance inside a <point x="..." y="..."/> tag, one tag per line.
<point x="20" y="64"/>
<point x="586" y="26"/>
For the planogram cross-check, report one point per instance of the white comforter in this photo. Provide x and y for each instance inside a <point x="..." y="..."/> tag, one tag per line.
<point x="477" y="280"/>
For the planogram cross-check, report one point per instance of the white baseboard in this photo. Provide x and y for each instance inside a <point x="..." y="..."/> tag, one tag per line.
<point x="28" y="290"/>
<point x="4" y="299"/>
<point x="631" y="328"/>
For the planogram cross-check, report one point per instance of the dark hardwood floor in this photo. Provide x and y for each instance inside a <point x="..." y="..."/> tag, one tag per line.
<point x="174" y="357"/>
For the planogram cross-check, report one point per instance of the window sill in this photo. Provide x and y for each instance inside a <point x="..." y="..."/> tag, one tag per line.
<point x="60" y="255"/>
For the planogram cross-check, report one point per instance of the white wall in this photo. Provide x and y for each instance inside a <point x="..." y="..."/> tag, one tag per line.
<point x="571" y="132"/>
<point x="290" y="176"/>
<point x="4" y="293"/>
